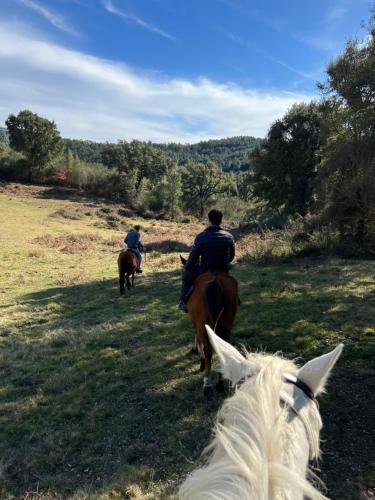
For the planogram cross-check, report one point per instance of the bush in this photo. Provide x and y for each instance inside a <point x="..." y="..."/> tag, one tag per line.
<point x="12" y="165"/>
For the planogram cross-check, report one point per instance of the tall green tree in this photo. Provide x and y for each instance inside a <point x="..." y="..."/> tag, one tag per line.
<point x="138" y="158"/>
<point x="346" y="182"/>
<point x="201" y="182"/>
<point x="285" y="166"/>
<point x="36" y="137"/>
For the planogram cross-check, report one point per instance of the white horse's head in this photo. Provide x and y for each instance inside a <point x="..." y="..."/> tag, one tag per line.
<point x="267" y="431"/>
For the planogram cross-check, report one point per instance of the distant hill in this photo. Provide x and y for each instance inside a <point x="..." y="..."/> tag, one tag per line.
<point x="230" y="154"/>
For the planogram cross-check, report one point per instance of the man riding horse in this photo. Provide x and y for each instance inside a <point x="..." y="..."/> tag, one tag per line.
<point x="213" y="250"/>
<point x="133" y="242"/>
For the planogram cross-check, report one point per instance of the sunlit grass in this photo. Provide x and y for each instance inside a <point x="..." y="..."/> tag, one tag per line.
<point x="99" y="396"/>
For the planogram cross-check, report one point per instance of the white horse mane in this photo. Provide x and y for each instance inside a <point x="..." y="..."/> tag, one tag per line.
<point x="261" y="447"/>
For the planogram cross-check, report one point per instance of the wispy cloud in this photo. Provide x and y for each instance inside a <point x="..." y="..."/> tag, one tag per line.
<point x="275" y="23"/>
<point x="322" y="41"/>
<point x="110" y="7"/>
<point x="97" y="99"/>
<point x="56" y="20"/>
<point x="267" y="55"/>
<point x="337" y="12"/>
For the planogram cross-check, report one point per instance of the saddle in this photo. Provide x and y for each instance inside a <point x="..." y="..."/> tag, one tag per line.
<point x="132" y="251"/>
<point x="191" y="289"/>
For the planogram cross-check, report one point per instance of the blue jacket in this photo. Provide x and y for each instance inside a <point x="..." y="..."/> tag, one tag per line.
<point x="133" y="240"/>
<point x="214" y="247"/>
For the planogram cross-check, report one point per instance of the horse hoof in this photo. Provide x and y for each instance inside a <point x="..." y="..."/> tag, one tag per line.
<point x="202" y="365"/>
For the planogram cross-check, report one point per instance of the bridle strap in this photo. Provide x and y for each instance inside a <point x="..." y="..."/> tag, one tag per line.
<point x="292" y="379"/>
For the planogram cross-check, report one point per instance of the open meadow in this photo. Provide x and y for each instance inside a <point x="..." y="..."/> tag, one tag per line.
<point x="100" y="396"/>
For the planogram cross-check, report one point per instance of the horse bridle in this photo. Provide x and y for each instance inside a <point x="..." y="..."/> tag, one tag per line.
<point x="296" y="408"/>
<point x="308" y="393"/>
<point x="292" y="379"/>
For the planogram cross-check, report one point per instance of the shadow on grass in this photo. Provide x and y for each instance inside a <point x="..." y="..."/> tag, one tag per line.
<point x="97" y="385"/>
<point x="167" y="246"/>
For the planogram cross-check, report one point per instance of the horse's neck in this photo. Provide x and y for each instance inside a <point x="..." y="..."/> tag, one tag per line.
<point x="260" y="451"/>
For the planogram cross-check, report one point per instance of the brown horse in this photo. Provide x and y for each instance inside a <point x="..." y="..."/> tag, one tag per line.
<point x="127" y="265"/>
<point x="214" y="301"/>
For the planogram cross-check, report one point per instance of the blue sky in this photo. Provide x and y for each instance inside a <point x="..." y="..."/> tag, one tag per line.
<point x="168" y="70"/>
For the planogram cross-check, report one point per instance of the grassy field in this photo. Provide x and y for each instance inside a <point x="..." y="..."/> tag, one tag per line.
<point x="99" y="395"/>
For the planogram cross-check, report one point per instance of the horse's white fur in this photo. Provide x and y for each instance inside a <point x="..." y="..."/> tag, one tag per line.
<point x="261" y="448"/>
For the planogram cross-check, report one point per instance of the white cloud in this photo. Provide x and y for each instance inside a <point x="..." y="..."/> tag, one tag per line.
<point x="337" y="12"/>
<point x="110" y="7"/>
<point x="322" y="41"/>
<point x="55" y="19"/>
<point x="93" y="98"/>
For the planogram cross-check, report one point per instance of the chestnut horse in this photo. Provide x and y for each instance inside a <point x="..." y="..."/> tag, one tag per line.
<point x="214" y="301"/>
<point x="127" y="265"/>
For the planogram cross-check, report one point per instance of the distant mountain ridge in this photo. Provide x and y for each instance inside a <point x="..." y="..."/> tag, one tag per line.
<point x="231" y="153"/>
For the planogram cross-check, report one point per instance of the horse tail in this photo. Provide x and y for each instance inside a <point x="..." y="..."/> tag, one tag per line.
<point x="214" y="296"/>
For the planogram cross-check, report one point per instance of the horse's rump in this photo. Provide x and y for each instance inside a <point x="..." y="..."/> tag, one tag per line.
<point x="214" y="301"/>
<point x="127" y="261"/>
<point x="221" y="296"/>
<point x="127" y="265"/>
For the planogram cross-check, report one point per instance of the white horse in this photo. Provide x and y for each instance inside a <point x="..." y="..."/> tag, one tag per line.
<point x="267" y="432"/>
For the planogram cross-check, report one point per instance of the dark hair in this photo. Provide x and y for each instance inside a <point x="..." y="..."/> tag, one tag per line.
<point x="137" y="227"/>
<point x="215" y="216"/>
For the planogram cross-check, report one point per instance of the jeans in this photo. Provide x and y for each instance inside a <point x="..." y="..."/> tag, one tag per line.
<point x="138" y="255"/>
<point x="188" y="278"/>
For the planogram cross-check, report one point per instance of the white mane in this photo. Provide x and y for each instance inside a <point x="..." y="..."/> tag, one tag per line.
<point x="261" y="447"/>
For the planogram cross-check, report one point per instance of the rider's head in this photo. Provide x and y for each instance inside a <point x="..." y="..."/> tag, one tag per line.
<point x="137" y="227"/>
<point x="215" y="217"/>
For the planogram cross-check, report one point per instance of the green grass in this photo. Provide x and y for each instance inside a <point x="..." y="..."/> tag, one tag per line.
<point x="99" y="396"/>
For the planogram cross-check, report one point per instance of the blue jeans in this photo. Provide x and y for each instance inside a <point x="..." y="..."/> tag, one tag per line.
<point x="138" y="255"/>
<point x="188" y="278"/>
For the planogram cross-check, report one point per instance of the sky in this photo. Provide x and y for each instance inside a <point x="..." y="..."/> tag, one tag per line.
<point x="168" y="70"/>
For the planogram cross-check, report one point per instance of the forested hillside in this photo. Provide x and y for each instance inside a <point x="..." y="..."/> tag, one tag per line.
<point x="230" y="154"/>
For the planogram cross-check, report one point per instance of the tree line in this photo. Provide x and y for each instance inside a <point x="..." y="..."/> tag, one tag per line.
<point x="316" y="164"/>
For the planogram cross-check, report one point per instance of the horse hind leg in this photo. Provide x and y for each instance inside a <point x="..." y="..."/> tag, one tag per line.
<point x="122" y="282"/>
<point x="128" y="284"/>
<point x="133" y="279"/>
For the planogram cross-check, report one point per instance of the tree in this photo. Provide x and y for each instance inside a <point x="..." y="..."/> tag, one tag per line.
<point x="286" y="164"/>
<point x="244" y="183"/>
<point x="37" y="138"/>
<point x="200" y="182"/>
<point x="4" y="136"/>
<point x="168" y="191"/>
<point x="346" y="182"/>
<point x="136" y="157"/>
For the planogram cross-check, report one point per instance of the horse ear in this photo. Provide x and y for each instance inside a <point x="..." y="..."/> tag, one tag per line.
<point x="315" y="372"/>
<point x="183" y="261"/>
<point x="234" y="366"/>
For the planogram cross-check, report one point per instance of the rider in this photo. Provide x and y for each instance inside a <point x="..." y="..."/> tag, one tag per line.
<point x="214" y="247"/>
<point x="133" y="242"/>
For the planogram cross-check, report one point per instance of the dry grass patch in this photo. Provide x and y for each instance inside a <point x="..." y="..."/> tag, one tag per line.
<point x="70" y="243"/>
